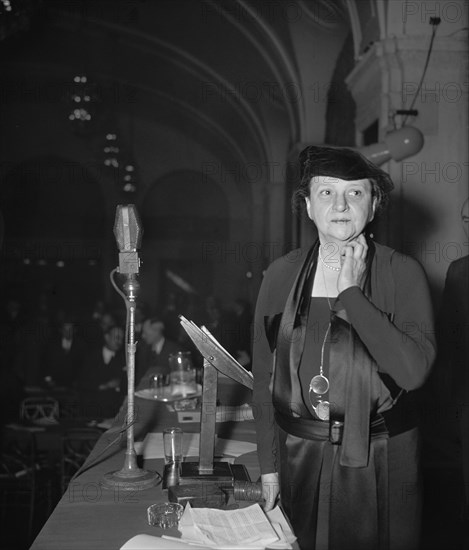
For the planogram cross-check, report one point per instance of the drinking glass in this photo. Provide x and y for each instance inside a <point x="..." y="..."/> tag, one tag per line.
<point x="182" y="373"/>
<point x="159" y="385"/>
<point x="172" y="443"/>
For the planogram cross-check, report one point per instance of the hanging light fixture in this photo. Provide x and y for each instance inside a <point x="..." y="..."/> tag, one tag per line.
<point x="111" y="151"/>
<point x="129" y="173"/>
<point x="397" y="145"/>
<point x="129" y="177"/>
<point x="83" y="100"/>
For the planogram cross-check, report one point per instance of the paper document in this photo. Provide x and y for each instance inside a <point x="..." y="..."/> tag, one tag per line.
<point x="247" y="529"/>
<point x="149" y="542"/>
<point x="152" y="446"/>
<point x="244" y="528"/>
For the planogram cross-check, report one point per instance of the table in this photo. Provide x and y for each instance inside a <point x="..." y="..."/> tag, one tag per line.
<point x="89" y="516"/>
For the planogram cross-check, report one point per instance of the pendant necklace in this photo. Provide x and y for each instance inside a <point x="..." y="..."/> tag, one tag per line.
<point x="331" y="267"/>
<point x="319" y="384"/>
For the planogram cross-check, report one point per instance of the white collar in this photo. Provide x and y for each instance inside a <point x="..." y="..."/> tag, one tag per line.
<point x="108" y="354"/>
<point x="158" y="346"/>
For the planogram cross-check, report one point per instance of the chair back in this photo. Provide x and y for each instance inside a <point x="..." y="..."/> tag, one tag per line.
<point x="77" y="443"/>
<point x="40" y="410"/>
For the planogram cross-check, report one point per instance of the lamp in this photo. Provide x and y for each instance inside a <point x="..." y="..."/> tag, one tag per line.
<point x="397" y="145"/>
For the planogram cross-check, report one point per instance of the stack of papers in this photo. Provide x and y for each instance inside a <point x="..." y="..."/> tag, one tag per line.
<point x="247" y="528"/>
<point x="244" y="528"/>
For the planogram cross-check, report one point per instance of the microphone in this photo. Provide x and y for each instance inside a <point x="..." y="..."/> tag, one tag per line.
<point x="128" y="232"/>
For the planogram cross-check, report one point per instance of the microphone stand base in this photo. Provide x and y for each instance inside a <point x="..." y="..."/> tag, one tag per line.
<point x="135" y="480"/>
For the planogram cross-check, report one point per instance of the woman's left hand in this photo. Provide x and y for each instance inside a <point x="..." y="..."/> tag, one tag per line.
<point x="353" y="259"/>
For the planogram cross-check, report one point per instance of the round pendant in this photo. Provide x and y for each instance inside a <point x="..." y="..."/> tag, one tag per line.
<point x="322" y="410"/>
<point x="319" y="384"/>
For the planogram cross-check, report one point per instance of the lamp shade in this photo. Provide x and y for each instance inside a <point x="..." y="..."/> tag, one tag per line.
<point x="397" y="145"/>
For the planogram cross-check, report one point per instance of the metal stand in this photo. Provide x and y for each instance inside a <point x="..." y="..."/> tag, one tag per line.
<point x="130" y="477"/>
<point x="207" y="472"/>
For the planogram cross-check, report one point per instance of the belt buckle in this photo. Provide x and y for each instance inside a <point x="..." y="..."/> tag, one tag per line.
<point x="336" y="429"/>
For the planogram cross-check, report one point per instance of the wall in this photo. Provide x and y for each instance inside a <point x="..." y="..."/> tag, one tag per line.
<point x="424" y="217"/>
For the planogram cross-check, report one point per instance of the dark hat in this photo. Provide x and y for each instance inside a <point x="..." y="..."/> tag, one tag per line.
<point x="343" y="163"/>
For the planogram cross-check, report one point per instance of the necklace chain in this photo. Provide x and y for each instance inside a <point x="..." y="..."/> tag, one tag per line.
<point x="319" y="384"/>
<point x="325" y="285"/>
<point x="331" y="267"/>
<point x="321" y="366"/>
<point x="328" y="327"/>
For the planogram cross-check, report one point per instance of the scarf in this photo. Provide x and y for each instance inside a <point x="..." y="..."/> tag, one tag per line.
<point x="345" y="348"/>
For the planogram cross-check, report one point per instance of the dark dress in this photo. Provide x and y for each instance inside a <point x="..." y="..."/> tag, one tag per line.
<point x="331" y="501"/>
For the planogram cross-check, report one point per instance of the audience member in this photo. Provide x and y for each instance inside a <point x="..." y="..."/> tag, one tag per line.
<point x="101" y="379"/>
<point x="33" y="336"/>
<point x="170" y="317"/>
<point x="95" y="325"/>
<point x="449" y="383"/>
<point x="64" y="355"/>
<point x="154" y="349"/>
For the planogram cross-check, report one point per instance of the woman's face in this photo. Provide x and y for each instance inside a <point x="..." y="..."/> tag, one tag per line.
<point x="340" y="209"/>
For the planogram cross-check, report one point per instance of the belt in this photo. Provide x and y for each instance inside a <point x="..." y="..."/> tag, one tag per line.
<point x="324" y="431"/>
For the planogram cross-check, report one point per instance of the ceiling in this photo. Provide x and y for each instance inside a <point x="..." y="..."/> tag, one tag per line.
<point x="186" y="83"/>
<point x="221" y="70"/>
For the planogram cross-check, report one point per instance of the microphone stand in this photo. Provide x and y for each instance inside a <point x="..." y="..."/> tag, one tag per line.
<point x="130" y="477"/>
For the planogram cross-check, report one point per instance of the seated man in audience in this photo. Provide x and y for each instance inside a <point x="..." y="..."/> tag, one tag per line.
<point x="101" y="380"/>
<point x="63" y="356"/>
<point x="154" y="349"/>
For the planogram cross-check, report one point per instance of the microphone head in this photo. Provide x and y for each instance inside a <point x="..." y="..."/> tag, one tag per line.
<point x="127" y="228"/>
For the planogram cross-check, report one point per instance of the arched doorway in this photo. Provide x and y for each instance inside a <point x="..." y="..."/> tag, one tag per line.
<point x="182" y="213"/>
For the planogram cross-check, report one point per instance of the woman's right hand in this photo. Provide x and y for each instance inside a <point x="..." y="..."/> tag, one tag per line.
<point x="270" y="490"/>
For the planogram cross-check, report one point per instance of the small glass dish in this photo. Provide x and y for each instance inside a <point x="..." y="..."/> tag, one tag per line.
<point x="165" y="515"/>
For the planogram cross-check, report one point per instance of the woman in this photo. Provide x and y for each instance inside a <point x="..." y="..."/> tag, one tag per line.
<point x="344" y="337"/>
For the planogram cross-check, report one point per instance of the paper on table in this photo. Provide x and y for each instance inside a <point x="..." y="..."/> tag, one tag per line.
<point x="153" y="446"/>
<point x="148" y="542"/>
<point x="231" y="447"/>
<point x="244" y="528"/>
<point x="282" y="528"/>
<point x="275" y="516"/>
